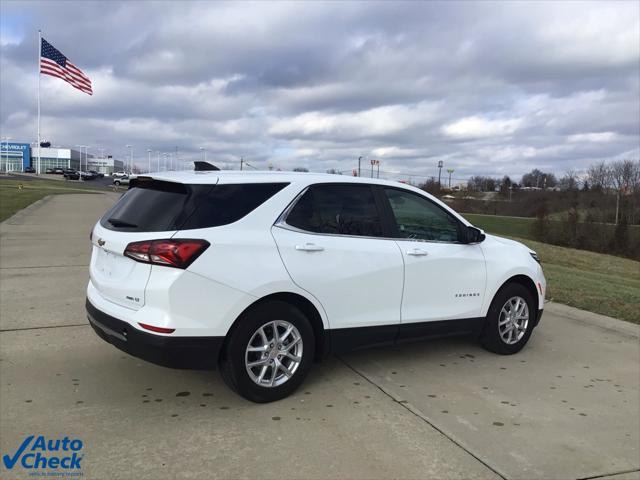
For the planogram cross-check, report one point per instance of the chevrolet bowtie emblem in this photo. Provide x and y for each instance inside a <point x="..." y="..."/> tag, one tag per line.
<point x="101" y="242"/>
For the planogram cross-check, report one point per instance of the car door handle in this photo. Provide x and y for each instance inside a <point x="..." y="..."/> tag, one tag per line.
<point x="417" y="252"/>
<point x="309" y="247"/>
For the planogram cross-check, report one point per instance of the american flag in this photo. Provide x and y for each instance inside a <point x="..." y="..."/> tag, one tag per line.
<point x="54" y="63"/>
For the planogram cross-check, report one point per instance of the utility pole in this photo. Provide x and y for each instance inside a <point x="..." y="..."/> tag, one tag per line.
<point x="359" y="162"/>
<point x="130" y="147"/>
<point x="241" y="162"/>
<point x="378" y="164"/>
<point x="450" y="171"/>
<point x="149" y="152"/>
<point x="439" y="171"/>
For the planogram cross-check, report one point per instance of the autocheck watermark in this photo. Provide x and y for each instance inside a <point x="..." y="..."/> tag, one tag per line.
<point x="47" y="457"/>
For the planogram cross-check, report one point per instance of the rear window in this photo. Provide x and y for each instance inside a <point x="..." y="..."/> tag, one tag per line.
<point x="153" y="206"/>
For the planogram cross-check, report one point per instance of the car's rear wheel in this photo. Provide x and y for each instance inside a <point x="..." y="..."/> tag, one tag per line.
<point x="269" y="352"/>
<point x="510" y="320"/>
<point x="116" y="183"/>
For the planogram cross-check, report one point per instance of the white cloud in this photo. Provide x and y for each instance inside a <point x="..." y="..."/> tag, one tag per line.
<point x="376" y="122"/>
<point x="478" y="127"/>
<point x="593" y="137"/>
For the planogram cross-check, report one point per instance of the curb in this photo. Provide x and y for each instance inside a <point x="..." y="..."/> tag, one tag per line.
<point x="594" y="319"/>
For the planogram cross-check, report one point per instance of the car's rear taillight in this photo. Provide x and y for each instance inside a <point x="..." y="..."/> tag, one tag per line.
<point x="178" y="253"/>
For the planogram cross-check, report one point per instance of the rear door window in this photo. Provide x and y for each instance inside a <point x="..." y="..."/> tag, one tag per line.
<point x="153" y="206"/>
<point x="341" y="209"/>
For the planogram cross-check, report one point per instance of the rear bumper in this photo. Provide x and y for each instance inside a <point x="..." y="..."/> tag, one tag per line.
<point x="175" y="352"/>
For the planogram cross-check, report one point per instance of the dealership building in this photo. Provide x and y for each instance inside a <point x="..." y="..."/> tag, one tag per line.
<point x="15" y="157"/>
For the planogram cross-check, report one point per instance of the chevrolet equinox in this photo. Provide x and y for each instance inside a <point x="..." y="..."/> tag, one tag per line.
<point x="262" y="273"/>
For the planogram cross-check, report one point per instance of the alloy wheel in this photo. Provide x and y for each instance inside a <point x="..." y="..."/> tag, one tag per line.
<point x="274" y="353"/>
<point x="513" y="320"/>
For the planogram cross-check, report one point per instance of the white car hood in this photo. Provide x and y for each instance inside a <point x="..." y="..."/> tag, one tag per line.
<point x="508" y="242"/>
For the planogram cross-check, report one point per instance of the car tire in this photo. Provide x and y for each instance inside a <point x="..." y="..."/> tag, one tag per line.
<point x="236" y="359"/>
<point x="505" y="330"/>
<point x="116" y="183"/>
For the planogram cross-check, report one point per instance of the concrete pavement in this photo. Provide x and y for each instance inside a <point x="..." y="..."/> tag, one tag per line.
<point x="568" y="406"/>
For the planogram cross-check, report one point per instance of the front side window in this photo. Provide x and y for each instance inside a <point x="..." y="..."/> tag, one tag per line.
<point x="337" y="209"/>
<point x="417" y="218"/>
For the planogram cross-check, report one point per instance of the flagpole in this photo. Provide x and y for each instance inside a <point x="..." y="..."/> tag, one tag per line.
<point x="39" y="69"/>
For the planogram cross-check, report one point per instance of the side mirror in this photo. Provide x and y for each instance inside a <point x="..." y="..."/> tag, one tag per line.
<point x="475" y="235"/>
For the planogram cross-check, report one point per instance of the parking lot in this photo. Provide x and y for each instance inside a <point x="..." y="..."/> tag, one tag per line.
<point x="567" y="406"/>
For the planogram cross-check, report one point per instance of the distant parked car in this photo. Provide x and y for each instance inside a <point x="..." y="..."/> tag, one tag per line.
<point x="71" y="174"/>
<point x="87" y="175"/>
<point x="119" y="174"/>
<point x="29" y="170"/>
<point x="50" y="170"/>
<point x="123" y="180"/>
<point x="59" y="171"/>
<point x="96" y="173"/>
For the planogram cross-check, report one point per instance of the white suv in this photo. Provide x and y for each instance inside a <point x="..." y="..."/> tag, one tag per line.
<point x="263" y="273"/>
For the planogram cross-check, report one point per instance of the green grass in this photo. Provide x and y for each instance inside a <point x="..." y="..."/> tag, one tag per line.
<point x="13" y="199"/>
<point x="591" y="281"/>
<point x="507" y="226"/>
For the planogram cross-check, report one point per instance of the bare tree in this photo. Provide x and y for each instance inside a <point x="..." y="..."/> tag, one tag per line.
<point x="599" y="176"/>
<point x="622" y="175"/>
<point x="569" y="181"/>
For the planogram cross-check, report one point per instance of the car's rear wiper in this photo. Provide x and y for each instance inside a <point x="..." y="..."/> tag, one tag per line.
<point x="116" y="222"/>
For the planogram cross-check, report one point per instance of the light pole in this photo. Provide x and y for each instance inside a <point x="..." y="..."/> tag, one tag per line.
<point x="359" y="163"/>
<point x="158" y="152"/>
<point x="86" y="158"/>
<point x="80" y="168"/>
<point x="149" y="152"/>
<point x="204" y="154"/>
<point x="449" y="171"/>
<point x="130" y="147"/>
<point x="375" y="162"/>
<point x="439" y="171"/>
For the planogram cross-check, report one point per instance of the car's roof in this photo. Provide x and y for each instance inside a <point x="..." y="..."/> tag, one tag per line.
<point x="235" y="176"/>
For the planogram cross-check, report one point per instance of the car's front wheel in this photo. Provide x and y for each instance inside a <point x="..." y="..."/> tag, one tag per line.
<point x="269" y="352"/>
<point x="510" y="320"/>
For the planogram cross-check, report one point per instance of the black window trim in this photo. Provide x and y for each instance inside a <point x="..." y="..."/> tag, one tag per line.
<point x="281" y="222"/>
<point x="390" y="219"/>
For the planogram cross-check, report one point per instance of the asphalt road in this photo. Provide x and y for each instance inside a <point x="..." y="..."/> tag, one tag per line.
<point x="567" y="406"/>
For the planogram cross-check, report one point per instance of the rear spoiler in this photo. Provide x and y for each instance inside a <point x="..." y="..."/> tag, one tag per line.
<point x="201" y="166"/>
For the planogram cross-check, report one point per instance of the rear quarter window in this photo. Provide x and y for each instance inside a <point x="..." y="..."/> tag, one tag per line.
<point x="226" y="204"/>
<point x="163" y="206"/>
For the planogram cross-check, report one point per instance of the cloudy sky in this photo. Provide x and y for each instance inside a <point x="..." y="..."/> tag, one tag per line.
<point x="489" y="88"/>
